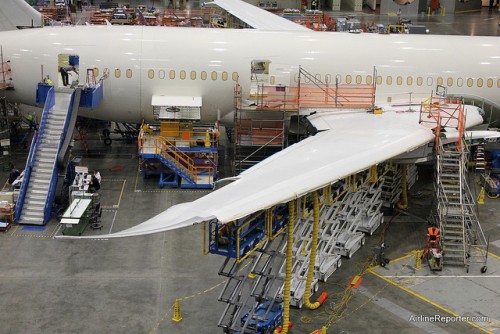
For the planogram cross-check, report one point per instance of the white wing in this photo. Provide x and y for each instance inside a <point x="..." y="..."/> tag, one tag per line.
<point x="350" y="142"/>
<point x="255" y="17"/>
<point x="17" y="13"/>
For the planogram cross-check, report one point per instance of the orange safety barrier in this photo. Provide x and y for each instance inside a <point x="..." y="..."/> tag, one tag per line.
<point x="441" y="113"/>
<point x="310" y="95"/>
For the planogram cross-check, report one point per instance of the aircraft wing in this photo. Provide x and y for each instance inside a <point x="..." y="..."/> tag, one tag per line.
<point x="347" y="143"/>
<point x="255" y="17"/>
<point x="17" y="13"/>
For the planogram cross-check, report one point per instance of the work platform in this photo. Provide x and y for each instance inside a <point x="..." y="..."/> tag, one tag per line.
<point x="45" y="169"/>
<point x="269" y="117"/>
<point x="181" y="154"/>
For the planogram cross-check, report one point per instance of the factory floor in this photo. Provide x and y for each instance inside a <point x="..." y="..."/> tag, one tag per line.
<point x="130" y="285"/>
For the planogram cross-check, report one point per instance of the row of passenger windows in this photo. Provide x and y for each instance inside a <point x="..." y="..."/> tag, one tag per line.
<point x="162" y="74"/>
<point x="349" y="79"/>
<point x="409" y="81"/>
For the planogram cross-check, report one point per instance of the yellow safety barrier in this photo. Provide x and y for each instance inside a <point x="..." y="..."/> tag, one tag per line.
<point x="480" y="199"/>
<point x="320" y="331"/>
<point x="177" y="311"/>
<point x="418" y="259"/>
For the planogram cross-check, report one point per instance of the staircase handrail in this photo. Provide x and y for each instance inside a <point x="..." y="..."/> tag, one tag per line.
<point x="53" y="180"/>
<point x="183" y="160"/>
<point x="30" y="161"/>
<point x="260" y="148"/>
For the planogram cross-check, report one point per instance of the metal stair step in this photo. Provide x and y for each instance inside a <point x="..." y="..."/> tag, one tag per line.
<point x="31" y="221"/>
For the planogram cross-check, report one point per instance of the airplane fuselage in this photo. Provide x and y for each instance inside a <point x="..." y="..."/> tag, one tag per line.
<point x="148" y="61"/>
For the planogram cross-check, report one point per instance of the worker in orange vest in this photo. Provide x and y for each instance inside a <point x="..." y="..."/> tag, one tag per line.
<point x="432" y="237"/>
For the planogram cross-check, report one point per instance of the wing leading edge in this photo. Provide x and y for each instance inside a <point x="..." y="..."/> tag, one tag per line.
<point x="353" y="142"/>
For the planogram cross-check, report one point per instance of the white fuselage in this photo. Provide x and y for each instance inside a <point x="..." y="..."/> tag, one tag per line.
<point x="148" y="61"/>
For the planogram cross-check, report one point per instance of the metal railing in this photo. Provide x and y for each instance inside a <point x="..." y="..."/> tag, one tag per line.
<point x="30" y="162"/>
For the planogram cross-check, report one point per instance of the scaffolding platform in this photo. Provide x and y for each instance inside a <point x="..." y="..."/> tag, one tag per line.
<point x="180" y="153"/>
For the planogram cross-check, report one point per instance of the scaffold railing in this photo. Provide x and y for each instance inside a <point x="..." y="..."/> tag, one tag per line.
<point x="5" y="72"/>
<point x="441" y="113"/>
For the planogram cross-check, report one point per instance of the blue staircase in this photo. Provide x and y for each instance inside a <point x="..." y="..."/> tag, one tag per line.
<point x="176" y="167"/>
<point x="37" y="191"/>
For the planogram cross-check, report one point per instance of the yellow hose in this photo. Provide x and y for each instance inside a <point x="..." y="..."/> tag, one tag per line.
<point x="312" y="259"/>
<point x="289" y="265"/>
<point x="403" y="203"/>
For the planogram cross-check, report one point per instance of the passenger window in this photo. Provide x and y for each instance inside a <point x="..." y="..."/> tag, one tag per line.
<point x="235" y="76"/>
<point x="409" y="81"/>
<point x="470" y="82"/>
<point x="420" y="81"/>
<point x="151" y="74"/>
<point x="161" y="74"/>
<point x="399" y="80"/>
<point x="369" y="79"/>
<point x="449" y="82"/>
<point x="429" y="81"/>
<point x="328" y="78"/>
<point x="359" y="79"/>
<point x="96" y="72"/>
<point x="182" y="75"/>
<point x="348" y="79"/>
<point x="129" y="73"/>
<point x="460" y="82"/>
<point x="296" y="77"/>
<point x="203" y="75"/>
<point x="480" y="82"/>
<point x="318" y="77"/>
<point x="118" y="73"/>
<point x="379" y="80"/>
<point x="171" y="74"/>
<point x="498" y="83"/>
<point x="214" y="75"/>
<point x="440" y="81"/>
<point x="338" y="78"/>
<point x="489" y="83"/>
<point x="388" y="80"/>
<point x="193" y="75"/>
<point x="224" y="76"/>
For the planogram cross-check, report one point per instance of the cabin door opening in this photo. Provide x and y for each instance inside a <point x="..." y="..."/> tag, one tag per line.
<point x="259" y="74"/>
<point x="68" y="70"/>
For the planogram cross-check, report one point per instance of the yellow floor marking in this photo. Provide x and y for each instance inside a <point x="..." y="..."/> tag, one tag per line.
<point x="410" y="254"/>
<point x="121" y="194"/>
<point x="413" y="293"/>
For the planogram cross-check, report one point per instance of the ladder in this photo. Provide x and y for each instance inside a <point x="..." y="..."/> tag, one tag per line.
<point x="479" y="158"/>
<point x="462" y="239"/>
<point x="250" y="285"/>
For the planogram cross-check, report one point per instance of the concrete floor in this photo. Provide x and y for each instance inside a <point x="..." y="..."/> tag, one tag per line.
<point x="130" y="285"/>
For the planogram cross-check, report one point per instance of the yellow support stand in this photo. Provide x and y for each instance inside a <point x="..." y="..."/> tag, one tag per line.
<point x="303" y="251"/>
<point x="177" y="311"/>
<point x="418" y="259"/>
<point x="480" y="199"/>
<point x="207" y="139"/>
